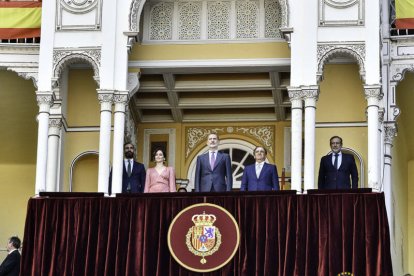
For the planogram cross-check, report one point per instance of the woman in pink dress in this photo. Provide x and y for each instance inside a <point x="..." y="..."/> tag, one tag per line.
<point x="160" y="178"/>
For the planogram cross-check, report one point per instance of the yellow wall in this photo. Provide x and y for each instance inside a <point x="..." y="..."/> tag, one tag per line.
<point x="410" y="216"/>
<point x="341" y="96"/>
<point x="83" y="105"/>
<point x="75" y="144"/>
<point x="210" y="51"/>
<point x="18" y="136"/>
<point x="400" y="191"/>
<point x="85" y="174"/>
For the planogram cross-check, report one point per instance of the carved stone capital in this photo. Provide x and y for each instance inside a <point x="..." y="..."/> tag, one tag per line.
<point x="295" y="93"/>
<point x="105" y="98"/>
<point x="390" y="131"/>
<point x="55" y="123"/>
<point x="310" y="92"/>
<point x="373" y="91"/>
<point x="120" y="98"/>
<point x="44" y="99"/>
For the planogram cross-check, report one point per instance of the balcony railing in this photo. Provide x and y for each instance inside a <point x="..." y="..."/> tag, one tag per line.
<point x="30" y="40"/>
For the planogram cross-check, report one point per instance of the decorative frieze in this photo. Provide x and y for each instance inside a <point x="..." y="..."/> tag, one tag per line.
<point x="198" y="135"/>
<point x="223" y="20"/>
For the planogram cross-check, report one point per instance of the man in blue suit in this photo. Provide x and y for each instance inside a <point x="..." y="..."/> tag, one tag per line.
<point x="337" y="169"/>
<point x="213" y="170"/>
<point x="133" y="173"/>
<point x="260" y="176"/>
<point x="11" y="264"/>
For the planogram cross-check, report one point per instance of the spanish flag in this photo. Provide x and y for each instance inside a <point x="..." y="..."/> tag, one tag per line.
<point x="20" y="19"/>
<point x="404" y="12"/>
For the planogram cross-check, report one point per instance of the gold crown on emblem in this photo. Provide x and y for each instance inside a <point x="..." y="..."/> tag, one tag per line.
<point x="203" y="219"/>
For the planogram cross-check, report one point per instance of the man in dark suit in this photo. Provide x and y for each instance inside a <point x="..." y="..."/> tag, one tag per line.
<point x="11" y="265"/>
<point x="260" y="176"/>
<point x="337" y="168"/>
<point x="213" y="170"/>
<point x="133" y="174"/>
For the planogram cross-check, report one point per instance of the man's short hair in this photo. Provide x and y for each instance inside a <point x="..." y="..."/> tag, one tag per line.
<point x="265" y="150"/>
<point x="129" y="143"/>
<point x="333" y="137"/>
<point x="214" y="133"/>
<point x="15" y="241"/>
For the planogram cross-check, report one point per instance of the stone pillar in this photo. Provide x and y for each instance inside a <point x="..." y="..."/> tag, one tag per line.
<point x="310" y="95"/>
<point x="55" y="126"/>
<point x="120" y="100"/>
<point x="44" y="101"/>
<point x="105" y="98"/>
<point x="295" y="95"/>
<point x="373" y="95"/>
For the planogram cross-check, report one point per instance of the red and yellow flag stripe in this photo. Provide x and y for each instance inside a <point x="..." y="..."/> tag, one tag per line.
<point x="404" y="12"/>
<point x="21" y="19"/>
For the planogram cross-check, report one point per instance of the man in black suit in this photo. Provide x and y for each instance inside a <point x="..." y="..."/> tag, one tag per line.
<point x="133" y="174"/>
<point x="337" y="168"/>
<point x="213" y="170"/>
<point x="11" y="265"/>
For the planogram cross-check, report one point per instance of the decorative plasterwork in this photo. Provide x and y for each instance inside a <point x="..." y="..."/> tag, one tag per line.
<point x="328" y="9"/>
<point x="397" y="71"/>
<point x="136" y="9"/>
<point x="65" y="57"/>
<point x="135" y="14"/>
<point x="327" y="51"/>
<point x="69" y="10"/>
<point x="105" y="97"/>
<point x="198" y="135"/>
<point x="133" y="83"/>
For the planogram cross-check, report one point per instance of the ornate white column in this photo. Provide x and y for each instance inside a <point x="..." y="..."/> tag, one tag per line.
<point x="310" y="95"/>
<point x="373" y="95"/>
<point x="44" y="101"/>
<point x="55" y="126"/>
<point x="120" y="100"/>
<point x="295" y="95"/>
<point x="390" y="130"/>
<point x="105" y="98"/>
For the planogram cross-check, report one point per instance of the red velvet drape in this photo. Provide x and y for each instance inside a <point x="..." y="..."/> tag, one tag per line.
<point x="281" y="234"/>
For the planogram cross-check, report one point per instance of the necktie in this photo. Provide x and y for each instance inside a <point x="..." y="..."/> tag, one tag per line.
<point x="212" y="160"/>
<point x="336" y="161"/>
<point x="258" y="169"/>
<point x="129" y="168"/>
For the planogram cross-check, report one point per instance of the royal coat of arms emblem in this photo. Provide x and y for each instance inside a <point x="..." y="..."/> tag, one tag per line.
<point x="203" y="239"/>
